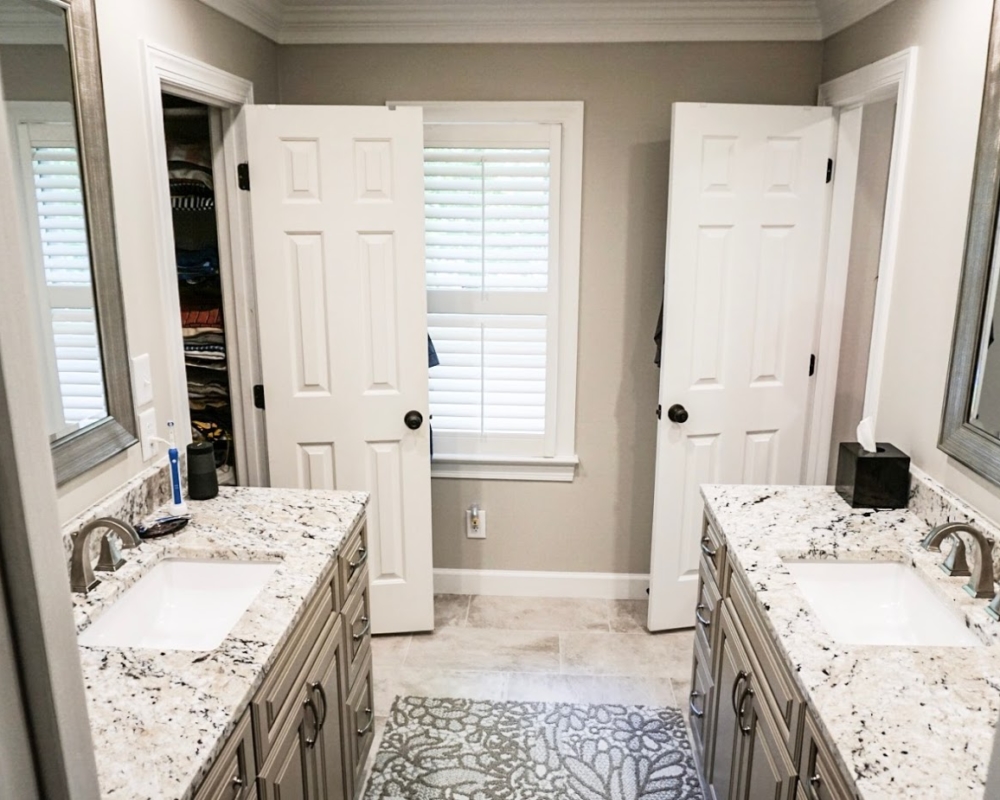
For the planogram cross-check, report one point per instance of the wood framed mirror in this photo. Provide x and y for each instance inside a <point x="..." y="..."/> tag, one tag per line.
<point x="53" y="95"/>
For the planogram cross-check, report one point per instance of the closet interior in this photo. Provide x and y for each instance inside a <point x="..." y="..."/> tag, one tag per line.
<point x="188" y="135"/>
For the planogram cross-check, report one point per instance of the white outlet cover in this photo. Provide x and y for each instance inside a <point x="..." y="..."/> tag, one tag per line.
<point x="147" y="430"/>
<point x="479" y="533"/>
<point x="142" y="380"/>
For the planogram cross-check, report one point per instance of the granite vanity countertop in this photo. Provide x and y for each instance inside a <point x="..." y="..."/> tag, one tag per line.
<point x="907" y="722"/>
<point x="159" y="718"/>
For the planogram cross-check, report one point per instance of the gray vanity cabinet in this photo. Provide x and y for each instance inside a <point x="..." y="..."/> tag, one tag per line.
<point x="308" y="730"/>
<point x="754" y="735"/>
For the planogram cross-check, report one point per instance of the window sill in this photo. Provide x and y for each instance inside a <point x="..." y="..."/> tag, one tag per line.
<point x="505" y="468"/>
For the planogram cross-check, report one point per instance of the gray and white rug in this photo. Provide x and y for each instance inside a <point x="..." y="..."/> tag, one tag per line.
<point x="453" y="749"/>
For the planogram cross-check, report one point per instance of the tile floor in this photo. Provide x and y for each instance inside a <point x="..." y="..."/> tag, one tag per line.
<point x="534" y="649"/>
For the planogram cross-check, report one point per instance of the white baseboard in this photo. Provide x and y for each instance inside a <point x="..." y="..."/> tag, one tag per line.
<point x="518" y="583"/>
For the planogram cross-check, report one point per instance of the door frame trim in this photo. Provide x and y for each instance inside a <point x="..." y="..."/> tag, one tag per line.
<point x="225" y="94"/>
<point x="890" y="77"/>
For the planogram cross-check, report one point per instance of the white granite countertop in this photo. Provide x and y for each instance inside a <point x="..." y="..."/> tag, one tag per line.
<point x="159" y="718"/>
<point x="907" y="722"/>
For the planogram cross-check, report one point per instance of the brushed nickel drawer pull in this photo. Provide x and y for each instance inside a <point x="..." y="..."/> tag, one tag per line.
<point x="747" y="695"/>
<point x="706" y="547"/>
<point x="695" y="694"/>
<point x="317" y="688"/>
<point x="740" y="677"/>
<point x="364" y="631"/>
<point x="363" y="552"/>
<point x="371" y="721"/>
<point x="236" y="784"/>
<point x="706" y="623"/>
<point x="310" y="706"/>
<point x="815" y="780"/>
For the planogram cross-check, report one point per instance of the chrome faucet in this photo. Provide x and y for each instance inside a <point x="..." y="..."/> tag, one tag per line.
<point x="981" y="583"/>
<point x="119" y="535"/>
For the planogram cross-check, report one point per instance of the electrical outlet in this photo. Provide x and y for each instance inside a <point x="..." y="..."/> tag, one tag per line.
<point x="475" y="523"/>
<point x="142" y="380"/>
<point x="147" y="430"/>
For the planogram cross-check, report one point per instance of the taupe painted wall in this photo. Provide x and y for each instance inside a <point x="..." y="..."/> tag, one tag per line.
<point x="952" y="40"/>
<point x="189" y="28"/>
<point x="874" y="152"/>
<point x="601" y="522"/>
<point x="35" y="72"/>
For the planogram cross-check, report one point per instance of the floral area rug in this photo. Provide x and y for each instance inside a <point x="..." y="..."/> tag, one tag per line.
<point x="452" y="749"/>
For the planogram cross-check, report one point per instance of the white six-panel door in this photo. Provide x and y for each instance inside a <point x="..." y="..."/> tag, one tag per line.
<point x="746" y="226"/>
<point x="338" y="225"/>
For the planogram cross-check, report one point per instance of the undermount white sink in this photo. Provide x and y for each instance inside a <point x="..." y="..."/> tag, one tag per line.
<point x="880" y="604"/>
<point x="181" y="604"/>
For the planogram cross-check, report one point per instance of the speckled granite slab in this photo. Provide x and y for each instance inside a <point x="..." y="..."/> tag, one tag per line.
<point x="907" y="722"/>
<point x="158" y="718"/>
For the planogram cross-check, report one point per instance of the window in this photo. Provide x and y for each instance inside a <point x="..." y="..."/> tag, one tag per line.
<point x="46" y="140"/>
<point x="502" y="207"/>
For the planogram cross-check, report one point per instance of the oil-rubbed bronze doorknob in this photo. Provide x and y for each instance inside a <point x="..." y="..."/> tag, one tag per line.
<point x="677" y="413"/>
<point x="413" y="420"/>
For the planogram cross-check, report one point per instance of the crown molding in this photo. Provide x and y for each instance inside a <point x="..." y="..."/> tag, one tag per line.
<point x="550" y="21"/>
<point x="835" y="15"/>
<point x="263" y="16"/>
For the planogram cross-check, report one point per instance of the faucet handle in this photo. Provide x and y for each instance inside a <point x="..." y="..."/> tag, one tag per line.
<point x="956" y="565"/>
<point x="111" y="553"/>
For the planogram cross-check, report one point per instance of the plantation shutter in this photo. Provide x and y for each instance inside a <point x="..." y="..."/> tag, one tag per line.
<point x="491" y="228"/>
<point x="65" y="262"/>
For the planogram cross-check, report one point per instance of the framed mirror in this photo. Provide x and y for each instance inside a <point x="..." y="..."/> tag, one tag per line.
<point x="970" y="429"/>
<point x="54" y="104"/>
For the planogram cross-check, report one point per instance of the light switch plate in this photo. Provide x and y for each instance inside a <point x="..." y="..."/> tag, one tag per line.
<point x="147" y="430"/>
<point x="142" y="380"/>
<point x="478" y="530"/>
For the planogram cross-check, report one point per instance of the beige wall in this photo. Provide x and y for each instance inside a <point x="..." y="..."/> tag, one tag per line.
<point x="874" y="152"/>
<point x="190" y="28"/>
<point x="952" y="41"/>
<point x="600" y="522"/>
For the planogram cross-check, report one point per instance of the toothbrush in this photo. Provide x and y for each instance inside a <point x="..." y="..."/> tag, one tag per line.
<point x="177" y="505"/>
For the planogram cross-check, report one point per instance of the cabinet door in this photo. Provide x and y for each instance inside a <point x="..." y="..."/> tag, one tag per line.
<point x="731" y="679"/>
<point x="291" y="769"/>
<point x="767" y="771"/>
<point x="326" y="684"/>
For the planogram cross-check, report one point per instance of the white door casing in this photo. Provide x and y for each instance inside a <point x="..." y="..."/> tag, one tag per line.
<point x="746" y="234"/>
<point x="337" y="208"/>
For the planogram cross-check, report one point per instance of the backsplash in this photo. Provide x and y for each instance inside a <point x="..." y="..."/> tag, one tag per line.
<point x="935" y="505"/>
<point x="130" y="502"/>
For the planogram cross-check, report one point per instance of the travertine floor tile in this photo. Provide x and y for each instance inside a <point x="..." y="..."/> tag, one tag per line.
<point x="409" y="681"/>
<point x="482" y="649"/>
<point x="664" y="655"/>
<point x="546" y="688"/>
<point x="629" y="616"/>
<point x="539" y="613"/>
<point x="389" y="651"/>
<point x="450" y="609"/>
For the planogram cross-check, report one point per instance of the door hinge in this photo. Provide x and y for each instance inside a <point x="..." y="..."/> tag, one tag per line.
<point x="258" y="396"/>
<point x="659" y="412"/>
<point x="829" y="170"/>
<point x="243" y="176"/>
<point x="812" y="365"/>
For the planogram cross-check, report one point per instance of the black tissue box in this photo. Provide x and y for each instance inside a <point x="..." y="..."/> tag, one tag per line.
<point x="873" y="480"/>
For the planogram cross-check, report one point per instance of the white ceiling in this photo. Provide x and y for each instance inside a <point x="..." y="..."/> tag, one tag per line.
<point x="439" y="21"/>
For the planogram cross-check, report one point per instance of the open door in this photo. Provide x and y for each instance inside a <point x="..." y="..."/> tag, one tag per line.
<point x="746" y="229"/>
<point x="338" y="224"/>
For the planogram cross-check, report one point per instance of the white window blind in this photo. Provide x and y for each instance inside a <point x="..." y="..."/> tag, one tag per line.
<point x="59" y="235"/>
<point x="489" y="203"/>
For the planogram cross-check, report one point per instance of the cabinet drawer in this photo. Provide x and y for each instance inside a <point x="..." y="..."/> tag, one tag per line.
<point x="353" y="557"/>
<point x="275" y="697"/>
<point x="706" y="612"/>
<point x="712" y="549"/>
<point x="700" y="701"/>
<point x="234" y="772"/>
<point x="819" y="778"/>
<point x="360" y="729"/>
<point x="357" y="616"/>
<point x="777" y="681"/>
